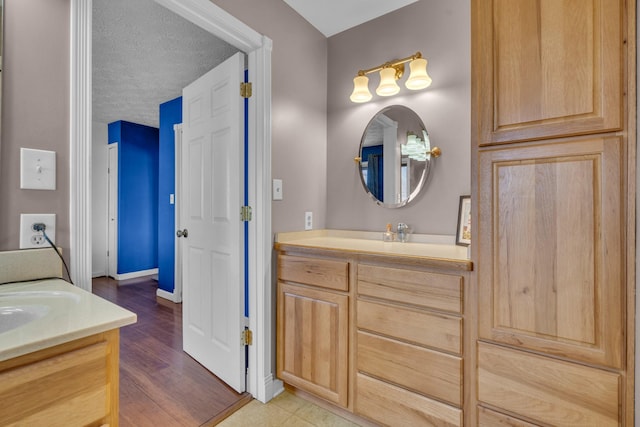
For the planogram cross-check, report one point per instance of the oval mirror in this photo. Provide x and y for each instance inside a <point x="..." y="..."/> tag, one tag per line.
<point x="395" y="156"/>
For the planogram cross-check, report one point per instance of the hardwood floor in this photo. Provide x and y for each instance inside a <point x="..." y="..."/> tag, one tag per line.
<point x="160" y="385"/>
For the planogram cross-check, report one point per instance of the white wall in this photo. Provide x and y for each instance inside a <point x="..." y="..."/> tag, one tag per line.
<point x="99" y="206"/>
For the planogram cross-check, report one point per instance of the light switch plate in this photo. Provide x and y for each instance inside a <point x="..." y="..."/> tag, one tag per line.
<point x="35" y="239"/>
<point x="37" y="169"/>
<point x="277" y="189"/>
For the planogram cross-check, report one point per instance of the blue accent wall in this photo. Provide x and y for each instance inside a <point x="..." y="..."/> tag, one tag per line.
<point x="137" y="195"/>
<point x="170" y="114"/>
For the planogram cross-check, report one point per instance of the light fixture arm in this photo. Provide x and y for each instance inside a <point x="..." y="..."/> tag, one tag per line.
<point x="397" y="64"/>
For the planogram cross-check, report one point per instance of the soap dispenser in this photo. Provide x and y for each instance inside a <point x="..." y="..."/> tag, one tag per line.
<point x="388" y="235"/>
<point x="403" y="232"/>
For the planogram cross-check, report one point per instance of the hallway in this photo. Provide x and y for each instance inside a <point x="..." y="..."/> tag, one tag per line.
<point x="160" y="385"/>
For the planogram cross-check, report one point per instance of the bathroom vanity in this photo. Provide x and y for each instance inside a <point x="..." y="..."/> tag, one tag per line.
<point x="59" y="350"/>
<point x="375" y="328"/>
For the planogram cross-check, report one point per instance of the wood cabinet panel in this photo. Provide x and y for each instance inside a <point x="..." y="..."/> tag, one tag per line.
<point x="393" y="406"/>
<point x="312" y="336"/>
<point x="489" y="418"/>
<point x="420" y="288"/>
<point x="325" y="273"/>
<point x="416" y="368"/>
<point x="546" y="390"/>
<point x="551" y="278"/>
<point x="70" y="384"/>
<point x="548" y="68"/>
<point x="433" y="330"/>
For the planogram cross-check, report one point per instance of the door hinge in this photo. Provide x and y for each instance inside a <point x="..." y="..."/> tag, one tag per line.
<point x="245" y="213"/>
<point x="245" y="89"/>
<point x="247" y="337"/>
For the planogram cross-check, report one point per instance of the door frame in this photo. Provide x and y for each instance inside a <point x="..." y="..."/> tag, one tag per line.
<point x="261" y="382"/>
<point x="177" y="194"/>
<point x="112" y="202"/>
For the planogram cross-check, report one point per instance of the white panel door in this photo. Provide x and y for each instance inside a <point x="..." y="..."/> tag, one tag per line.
<point x="212" y="195"/>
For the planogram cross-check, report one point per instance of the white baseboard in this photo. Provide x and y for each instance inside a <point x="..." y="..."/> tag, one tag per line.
<point x="135" y="274"/>
<point x="168" y="295"/>
<point x="277" y="387"/>
<point x="272" y="388"/>
<point x="98" y="274"/>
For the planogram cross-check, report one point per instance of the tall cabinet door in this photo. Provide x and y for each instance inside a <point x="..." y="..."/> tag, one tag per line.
<point x="551" y="249"/>
<point x="549" y="68"/>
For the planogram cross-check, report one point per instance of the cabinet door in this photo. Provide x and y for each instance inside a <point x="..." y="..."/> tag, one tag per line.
<point x="547" y="68"/>
<point x="312" y="341"/>
<point x="551" y="249"/>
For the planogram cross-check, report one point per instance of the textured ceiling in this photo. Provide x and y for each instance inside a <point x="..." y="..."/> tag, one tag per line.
<point x="143" y="55"/>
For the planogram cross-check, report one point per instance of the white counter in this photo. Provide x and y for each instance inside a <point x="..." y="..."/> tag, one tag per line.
<point x="72" y="313"/>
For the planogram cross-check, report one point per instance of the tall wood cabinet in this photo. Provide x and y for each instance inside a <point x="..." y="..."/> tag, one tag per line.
<point x="553" y="128"/>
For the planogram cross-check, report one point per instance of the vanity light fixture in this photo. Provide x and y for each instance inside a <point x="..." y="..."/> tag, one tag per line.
<point x="389" y="73"/>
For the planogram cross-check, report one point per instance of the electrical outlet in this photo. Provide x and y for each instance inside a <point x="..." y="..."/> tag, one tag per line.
<point x="308" y="220"/>
<point x="30" y="238"/>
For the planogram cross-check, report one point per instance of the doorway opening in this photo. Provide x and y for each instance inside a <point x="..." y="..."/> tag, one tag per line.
<point x="205" y="14"/>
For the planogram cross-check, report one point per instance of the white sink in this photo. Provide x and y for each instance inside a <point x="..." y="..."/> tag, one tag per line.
<point x="23" y="307"/>
<point x="12" y="317"/>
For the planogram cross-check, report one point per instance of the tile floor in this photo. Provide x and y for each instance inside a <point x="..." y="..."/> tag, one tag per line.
<point x="286" y="410"/>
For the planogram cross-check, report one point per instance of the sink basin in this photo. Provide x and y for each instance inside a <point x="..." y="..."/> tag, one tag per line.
<point x="23" y="307"/>
<point x="12" y="317"/>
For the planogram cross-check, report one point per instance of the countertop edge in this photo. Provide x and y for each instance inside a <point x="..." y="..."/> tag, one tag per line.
<point x="65" y="338"/>
<point x="457" y="264"/>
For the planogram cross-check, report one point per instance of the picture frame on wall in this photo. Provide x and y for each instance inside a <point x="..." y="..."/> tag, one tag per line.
<point x="463" y="233"/>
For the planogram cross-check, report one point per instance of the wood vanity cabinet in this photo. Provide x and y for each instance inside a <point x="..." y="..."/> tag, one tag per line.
<point x="553" y="205"/>
<point x="381" y="336"/>
<point x="71" y="384"/>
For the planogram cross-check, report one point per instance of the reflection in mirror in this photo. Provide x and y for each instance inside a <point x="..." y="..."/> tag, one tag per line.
<point x="395" y="156"/>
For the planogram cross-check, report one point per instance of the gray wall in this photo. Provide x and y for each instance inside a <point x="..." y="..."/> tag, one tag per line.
<point x="299" y="107"/>
<point x="35" y="111"/>
<point x="441" y="30"/>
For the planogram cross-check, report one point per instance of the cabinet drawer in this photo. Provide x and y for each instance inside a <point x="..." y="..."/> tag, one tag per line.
<point x="421" y="288"/>
<point x="550" y="391"/>
<point x="67" y="389"/>
<point x="425" y="371"/>
<point x="325" y="273"/>
<point x="435" y="330"/>
<point x="391" y="405"/>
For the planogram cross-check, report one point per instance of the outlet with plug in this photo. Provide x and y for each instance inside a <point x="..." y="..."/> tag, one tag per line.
<point x="31" y="225"/>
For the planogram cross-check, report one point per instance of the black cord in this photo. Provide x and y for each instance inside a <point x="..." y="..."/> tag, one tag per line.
<point x="58" y="252"/>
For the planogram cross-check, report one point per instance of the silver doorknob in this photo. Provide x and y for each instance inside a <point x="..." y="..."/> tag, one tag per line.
<point x="182" y="233"/>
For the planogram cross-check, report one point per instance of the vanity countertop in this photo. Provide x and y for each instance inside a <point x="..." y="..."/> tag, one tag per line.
<point x="436" y="249"/>
<point x="67" y="313"/>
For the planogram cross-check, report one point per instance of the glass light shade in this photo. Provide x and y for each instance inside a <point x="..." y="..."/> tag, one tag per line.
<point x="418" y="79"/>
<point x="388" y="85"/>
<point x="360" y="89"/>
